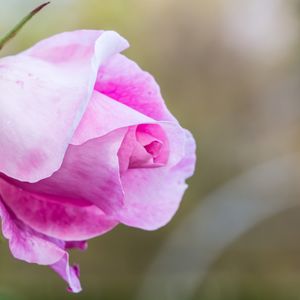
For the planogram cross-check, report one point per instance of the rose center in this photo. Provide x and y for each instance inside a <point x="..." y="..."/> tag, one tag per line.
<point x="145" y="146"/>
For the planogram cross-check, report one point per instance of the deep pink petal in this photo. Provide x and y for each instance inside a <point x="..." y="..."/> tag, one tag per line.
<point x="57" y="217"/>
<point x="33" y="247"/>
<point x="81" y="245"/>
<point x="24" y="243"/>
<point x="44" y="93"/>
<point x="152" y="196"/>
<point x="123" y="80"/>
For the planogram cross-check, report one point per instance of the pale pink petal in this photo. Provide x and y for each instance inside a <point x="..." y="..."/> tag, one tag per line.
<point x="123" y="80"/>
<point x="152" y="196"/>
<point x="33" y="247"/>
<point x="90" y="173"/>
<point x="58" y="217"/>
<point x="44" y="93"/>
<point x="69" y="273"/>
<point x="104" y="115"/>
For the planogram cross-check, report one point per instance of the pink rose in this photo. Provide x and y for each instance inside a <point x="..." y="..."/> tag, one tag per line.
<point x="86" y="143"/>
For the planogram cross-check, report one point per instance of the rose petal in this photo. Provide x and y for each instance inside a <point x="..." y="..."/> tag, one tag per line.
<point x="81" y="245"/>
<point x="90" y="173"/>
<point x="57" y="217"/>
<point x="104" y="115"/>
<point x="24" y="243"/>
<point x="69" y="273"/>
<point x="133" y="153"/>
<point x="171" y="137"/>
<point x="152" y="196"/>
<point x="44" y="93"/>
<point x="123" y="80"/>
<point x="33" y="247"/>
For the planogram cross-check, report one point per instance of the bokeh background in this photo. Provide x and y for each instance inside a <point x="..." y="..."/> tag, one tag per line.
<point x="230" y="71"/>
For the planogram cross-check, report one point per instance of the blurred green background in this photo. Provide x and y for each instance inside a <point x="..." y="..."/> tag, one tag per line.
<point x="229" y="70"/>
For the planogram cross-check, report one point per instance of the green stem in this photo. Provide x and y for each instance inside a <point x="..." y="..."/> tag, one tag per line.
<point x="19" y="26"/>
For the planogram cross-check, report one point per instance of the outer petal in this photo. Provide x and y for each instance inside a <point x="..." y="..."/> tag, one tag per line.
<point x="44" y="93"/>
<point x="90" y="173"/>
<point x="152" y="196"/>
<point x="57" y="217"/>
<point x="24" y="243"/>
<point x="33" y="247"/>
<point x="69" y="273"/>
<point x="123" y="80"/>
